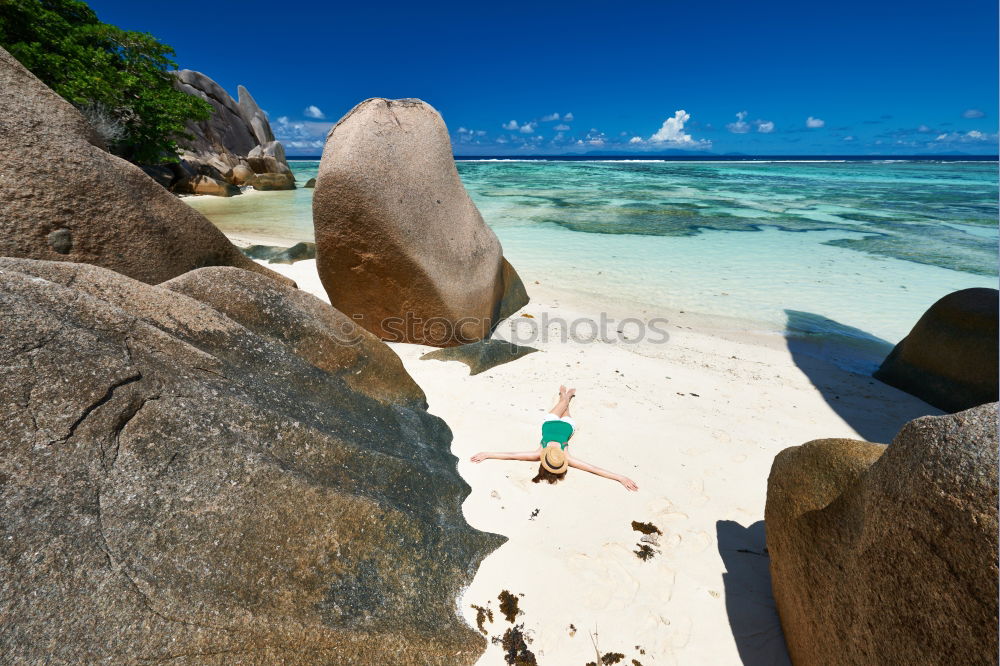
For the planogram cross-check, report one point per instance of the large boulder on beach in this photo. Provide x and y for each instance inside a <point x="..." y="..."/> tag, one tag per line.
<point x="950" y="357"/>
<point x="399" y="243"/>
<point x="888" y="554"/>
<point x="64" y="198"/>
<point x="219" y="469"/>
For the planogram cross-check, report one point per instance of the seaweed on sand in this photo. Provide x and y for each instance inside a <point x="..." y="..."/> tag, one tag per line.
<point x="508" y="606"/>
<point x="645" y="528"/>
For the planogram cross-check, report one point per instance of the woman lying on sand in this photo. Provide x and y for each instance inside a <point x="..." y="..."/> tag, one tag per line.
<point x="557" y="429"/>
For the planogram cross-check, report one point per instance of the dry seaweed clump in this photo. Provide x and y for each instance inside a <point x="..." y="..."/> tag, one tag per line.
<point x="515" y="647"/>
<point x="611" y="658"/>
<point x="482" y="616"/>
<point x="645" y="552"/>
<point x="645" y="528"/>
<point x="508" y="606"/>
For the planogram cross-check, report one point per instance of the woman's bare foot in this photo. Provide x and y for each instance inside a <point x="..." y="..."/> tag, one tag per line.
<point x="570" y="393"/>
<point x="562" y="392"/>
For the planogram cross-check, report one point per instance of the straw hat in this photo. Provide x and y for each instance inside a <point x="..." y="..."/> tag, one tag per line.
<point x="554" y="459"/>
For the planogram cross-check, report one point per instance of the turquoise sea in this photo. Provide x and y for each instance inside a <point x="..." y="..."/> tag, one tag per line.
<point x="820" y="248"/>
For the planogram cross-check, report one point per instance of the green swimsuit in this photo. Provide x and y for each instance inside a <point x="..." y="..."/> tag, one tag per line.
<point x="556" y="431"/>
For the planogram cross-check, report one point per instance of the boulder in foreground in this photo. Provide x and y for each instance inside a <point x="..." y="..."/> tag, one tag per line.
<point x="888" y="554"/>
<point x="64" y="198"/>
<point x="219" y="469"/>
<point x="950" y="358"/>
<point x="399" y="242"/>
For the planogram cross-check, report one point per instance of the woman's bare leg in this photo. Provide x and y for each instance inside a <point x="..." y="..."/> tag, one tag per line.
<point x="561" y="408"/>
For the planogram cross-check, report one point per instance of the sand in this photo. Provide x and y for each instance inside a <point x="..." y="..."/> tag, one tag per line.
<point x="696" y="422"/>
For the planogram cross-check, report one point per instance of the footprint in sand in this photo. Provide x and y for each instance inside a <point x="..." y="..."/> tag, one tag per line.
<point x="721" y="436"/>
<point x="698" y="541"/>
<point x="607" y="584"/>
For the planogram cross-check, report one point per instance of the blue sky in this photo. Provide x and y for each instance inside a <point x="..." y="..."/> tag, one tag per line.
<point x="872" y="77"/>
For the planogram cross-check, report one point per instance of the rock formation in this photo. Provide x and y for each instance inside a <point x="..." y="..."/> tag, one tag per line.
<point x="398" y="240"/>
<point x="235" y="137"/>
<point x="886" y="555"/>
<point x="481" y="355"/>
<point x="64" y="198"/>
<point x="950" y="358"/>
<point x="275" y="254"/>
<point x="220" y="470"/>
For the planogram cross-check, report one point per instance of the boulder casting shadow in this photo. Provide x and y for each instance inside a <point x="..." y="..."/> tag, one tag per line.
<point x="753" y="616"/>
<point x="482" y="355"/>
<point x="823" y="358"/>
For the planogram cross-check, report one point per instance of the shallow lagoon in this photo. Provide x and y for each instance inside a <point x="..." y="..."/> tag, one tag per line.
<point x="866" y="247"/>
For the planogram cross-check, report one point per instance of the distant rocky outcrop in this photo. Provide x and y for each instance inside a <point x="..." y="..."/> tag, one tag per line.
<point x="950" y="357"/>
<point x="399" y="242"/>
<point x="481" y="355"/>
<point x="64" y="198"/>
<point x="219" y="469"/>
<point x="275" y="254"/>
<point x="888" y="555"/>
<point x="237" y="137"/>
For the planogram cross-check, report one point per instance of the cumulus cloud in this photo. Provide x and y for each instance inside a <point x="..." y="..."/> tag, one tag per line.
<point x="568" y="117"/>
<point x="551" y="117"/>
<point x="972" y="113"/>
<point x="848" y="138"/>
<point x="815" y="122"/>
<point x="312" y="111"/>
<point x="672" y="133"/>
<point x="512" y="125"/>
<point x="923" y="129"/>
<point x="562" y="127"/>
<point x="528" y="128"/>
<point x="764" y="126"/>
<point x="740" y="126"/>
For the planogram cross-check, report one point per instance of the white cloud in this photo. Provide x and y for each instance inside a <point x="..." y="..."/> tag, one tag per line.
<point x="568" y="117"/>
<point x="500" y="139"/>
<point x="528" y="128"/>
<point x="512" y="125"/>
<point x="972" y="113"/>
<point x="848" y="138"/>
<point x="814" y="122"/>
<point x="740" y="126"/>
<point x="462" y="130"/>
<point x="636" y="139"/>
<point x="562" y="127"/>
<point x="300" y="134"/>
<point x="551" y="117"/>
<point x="972" y="136"/>
<point x="764" y="126"/>
<point x="304" y="145"/>
<point x="312" y="111"/>
<point x="672" y="133"/>
<point x="923" y="128"/>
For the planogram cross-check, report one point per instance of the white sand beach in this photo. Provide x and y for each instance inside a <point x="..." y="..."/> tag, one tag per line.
<point x="696" y="422"/>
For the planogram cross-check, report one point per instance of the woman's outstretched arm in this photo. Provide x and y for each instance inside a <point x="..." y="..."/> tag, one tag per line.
<point x="594" y="469"/>
<point x="505" y="455"/>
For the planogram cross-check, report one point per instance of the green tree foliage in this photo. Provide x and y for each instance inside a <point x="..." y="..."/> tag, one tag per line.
<point x="120" y="79"/>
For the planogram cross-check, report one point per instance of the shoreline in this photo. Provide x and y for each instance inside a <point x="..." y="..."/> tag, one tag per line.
<point x="696" y="425"/>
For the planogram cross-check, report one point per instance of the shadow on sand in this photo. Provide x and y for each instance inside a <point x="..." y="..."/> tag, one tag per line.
<point x="823" y="348"/>
<point x="753" y="616"/>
